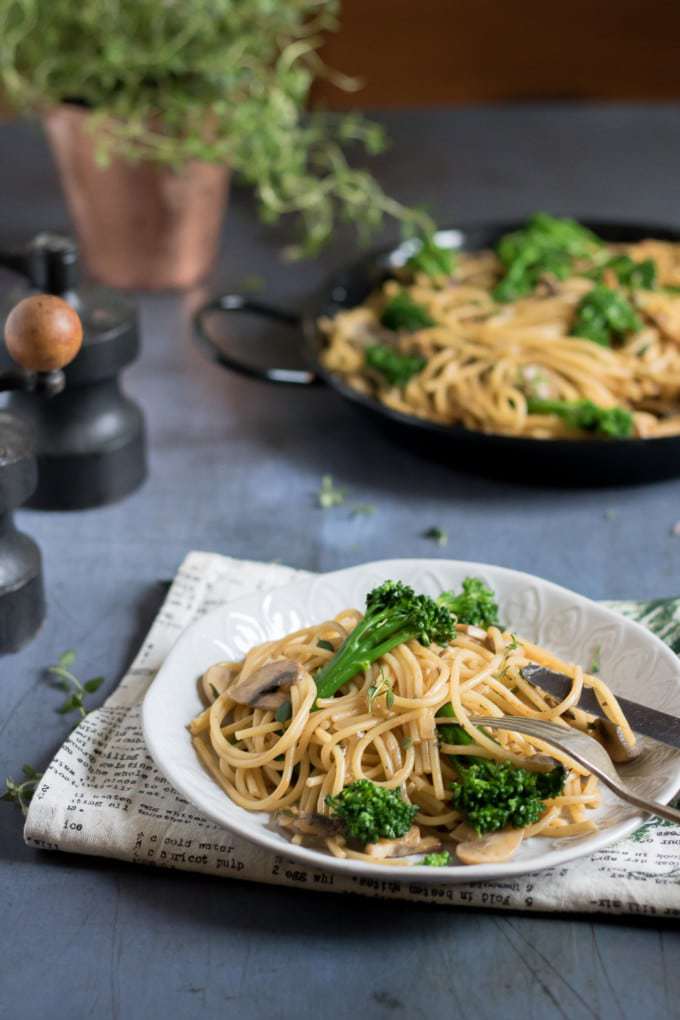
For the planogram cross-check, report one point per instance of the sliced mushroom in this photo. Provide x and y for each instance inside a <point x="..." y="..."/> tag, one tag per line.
<point x="613" y="739"/>
<point x="267" y="687"/>
<point x="538" y="763"/>
<point x="215" y="680"/>
<point x="463" y="833"/>
<point x="308" y="824"/>
<point x="410" y="843"/>
<point x="476" y="633"/>
<point x="491" y="849"/>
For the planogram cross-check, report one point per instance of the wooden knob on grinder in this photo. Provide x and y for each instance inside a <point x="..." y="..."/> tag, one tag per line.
<point x="43" y="333"/>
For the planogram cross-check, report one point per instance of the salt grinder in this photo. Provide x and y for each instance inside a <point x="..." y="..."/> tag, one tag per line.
<point x="43" y="334"/>
<point x="90" y="438"/>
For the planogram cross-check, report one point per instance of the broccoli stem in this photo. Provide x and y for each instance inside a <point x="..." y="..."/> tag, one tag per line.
<point x="357" y="653"/>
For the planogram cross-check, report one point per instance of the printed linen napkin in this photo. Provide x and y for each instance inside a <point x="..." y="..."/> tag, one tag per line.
<point x="103" y="795"/>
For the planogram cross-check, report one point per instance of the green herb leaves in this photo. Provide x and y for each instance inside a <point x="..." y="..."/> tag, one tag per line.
<point x="329" y="494"/>
<point x="585" y="416"/>
<point x="383" y="687"/>
<point x="403" y="313"/>
<point x="545" y="245"/>
<point x="397" y="368"/>
<point x="436" y="534"/>
<point x="22" y="793"/>
<point x="66" y="681"/>
<point x="604" y="315"/>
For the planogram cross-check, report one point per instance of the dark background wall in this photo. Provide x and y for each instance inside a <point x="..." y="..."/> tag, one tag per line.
<point x="424" y="52"/>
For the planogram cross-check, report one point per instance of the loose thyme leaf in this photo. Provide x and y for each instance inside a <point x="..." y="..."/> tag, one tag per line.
<point x="22" y="793"/>
<point x="326" y="645"/>
<point x="66" y="659"/>
<point x="215" y="692"/>
<point x="329" y="495"/>
<point x="437" y="535"/>
<point x="363" y="510"/>
<point x="93" y="685"/>
<point x="283" y="712"/>
<point x="595" y="659"/>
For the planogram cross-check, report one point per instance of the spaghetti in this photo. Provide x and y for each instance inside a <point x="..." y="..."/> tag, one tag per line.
<point x="382" y="726"/>
<point x="484" y="361"/>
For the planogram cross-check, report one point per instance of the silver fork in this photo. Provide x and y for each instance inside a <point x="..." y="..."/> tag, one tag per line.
<point x="584" y="750"/>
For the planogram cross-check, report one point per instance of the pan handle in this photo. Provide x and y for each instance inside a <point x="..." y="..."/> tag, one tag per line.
<point x="240" y="303"/>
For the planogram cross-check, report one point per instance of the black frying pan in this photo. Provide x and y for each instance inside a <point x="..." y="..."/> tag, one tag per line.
<point x="542" y="461"/>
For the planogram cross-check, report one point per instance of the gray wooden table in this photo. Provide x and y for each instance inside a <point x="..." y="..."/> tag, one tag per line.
<point x="234" y="468"/>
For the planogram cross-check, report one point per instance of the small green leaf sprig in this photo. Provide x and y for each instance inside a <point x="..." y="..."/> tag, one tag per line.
<point x="71" y="685"/>
<point x="21" y="793"/>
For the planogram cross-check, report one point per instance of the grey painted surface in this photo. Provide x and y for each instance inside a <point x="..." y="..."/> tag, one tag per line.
<point x="234" y="468"/>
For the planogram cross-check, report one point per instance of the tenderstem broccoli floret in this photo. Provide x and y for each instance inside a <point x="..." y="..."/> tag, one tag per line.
<point x="475" y="604"/>
<point x="584" y="415"/>
<point x="394" y="614"/>
<point x="495" y="794"/>
<point x="368" y="812"/>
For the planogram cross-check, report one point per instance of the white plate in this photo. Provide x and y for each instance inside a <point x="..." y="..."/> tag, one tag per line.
<point x="633" y="662"/>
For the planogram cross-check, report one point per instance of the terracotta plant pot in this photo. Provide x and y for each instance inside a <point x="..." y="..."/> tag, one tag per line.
<point x="140" y="225"/>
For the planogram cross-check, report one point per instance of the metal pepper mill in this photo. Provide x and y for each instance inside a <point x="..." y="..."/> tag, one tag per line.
<point x="43" y="334"/>
<point x="90" y="438"/>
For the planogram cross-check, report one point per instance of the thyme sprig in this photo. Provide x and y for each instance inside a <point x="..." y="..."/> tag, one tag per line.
<point x="21" y="793"/>
<point x="68" y="682"/>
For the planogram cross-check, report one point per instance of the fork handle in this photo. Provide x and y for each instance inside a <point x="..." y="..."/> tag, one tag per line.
<point x="651" y="807"/>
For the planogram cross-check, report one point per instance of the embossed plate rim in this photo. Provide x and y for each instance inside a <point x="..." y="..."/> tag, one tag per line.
<point x="173" y="699"/>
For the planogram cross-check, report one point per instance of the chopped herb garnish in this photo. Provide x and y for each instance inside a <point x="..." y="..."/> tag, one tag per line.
<point x="406" y="743"/>
<point x="326" y="645"/>
<point x="604" y="316"/>
<point x="440" y="860"/>
<point x="437" y="535"/>
<point x="329" y="495"/>
<point x="215" y="692"/>
<point x="595" y="659"/>
<point x="403" y="313"/>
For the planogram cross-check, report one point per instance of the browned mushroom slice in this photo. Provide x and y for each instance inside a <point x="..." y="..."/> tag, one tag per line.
<point x="476" y="633"/>
<point x="410" y="843"/>
<point x="215" y="680"/>
<point x="490" y="849"/>
<point x="538" y="763"/>
<point x="613" y="739"/>
<point x="308" y="823"/>
<point x="268" y="686"/>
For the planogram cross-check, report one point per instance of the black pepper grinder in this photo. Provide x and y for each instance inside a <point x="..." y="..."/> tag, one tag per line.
<point x="43" y="334"/>
<point x="90" y="439"/>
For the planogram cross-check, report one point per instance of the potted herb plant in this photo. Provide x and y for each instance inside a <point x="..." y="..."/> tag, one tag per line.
<point x="149" y="105"/>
